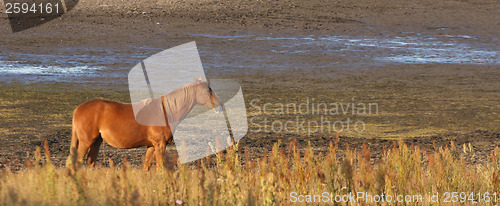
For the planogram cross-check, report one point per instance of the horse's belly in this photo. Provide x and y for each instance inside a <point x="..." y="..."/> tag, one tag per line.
<point x="123" y="141"/>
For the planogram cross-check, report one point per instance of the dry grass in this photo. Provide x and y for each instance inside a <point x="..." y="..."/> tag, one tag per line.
<point x="225" y="180"/>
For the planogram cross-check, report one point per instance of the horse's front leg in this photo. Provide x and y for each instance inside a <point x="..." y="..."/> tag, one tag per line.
<point x="148" y="160"/>
<point x="159" y="150"/>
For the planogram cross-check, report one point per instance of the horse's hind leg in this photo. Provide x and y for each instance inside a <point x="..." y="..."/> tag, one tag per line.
<point x="83" y="147"/>
<point x="86" y="137"/>
<point x="94" y="151"/>
<point x="148" y="159"/>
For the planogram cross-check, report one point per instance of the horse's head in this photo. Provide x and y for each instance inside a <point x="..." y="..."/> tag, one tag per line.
<point x="207" y="97"/>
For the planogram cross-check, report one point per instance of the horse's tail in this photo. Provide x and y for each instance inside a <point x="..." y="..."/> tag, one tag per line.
<point x="74" y="142"/>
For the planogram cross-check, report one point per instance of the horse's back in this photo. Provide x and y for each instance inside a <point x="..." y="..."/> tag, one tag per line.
<point x="96" y="106"/>
<point x="98" y="109"/>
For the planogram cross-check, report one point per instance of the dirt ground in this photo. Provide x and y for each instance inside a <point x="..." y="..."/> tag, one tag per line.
<point x="420" y="103"/>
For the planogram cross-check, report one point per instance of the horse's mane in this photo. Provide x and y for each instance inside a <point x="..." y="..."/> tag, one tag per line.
<point x="177" y="99"/>
<point x="181" y="92"/>
<point x="150" y="109"/>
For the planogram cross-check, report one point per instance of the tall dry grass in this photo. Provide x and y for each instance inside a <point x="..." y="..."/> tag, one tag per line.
<point x="269" y="180"/>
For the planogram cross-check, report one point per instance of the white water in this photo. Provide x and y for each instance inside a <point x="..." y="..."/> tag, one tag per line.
<point x="14" y="67"/>
<point x="414" y="49"/>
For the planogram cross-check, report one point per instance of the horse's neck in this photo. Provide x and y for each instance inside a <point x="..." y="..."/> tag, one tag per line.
<point x="178" y="107"/>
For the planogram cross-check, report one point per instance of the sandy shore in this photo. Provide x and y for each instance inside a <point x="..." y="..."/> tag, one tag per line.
<point x="339" y="17"/>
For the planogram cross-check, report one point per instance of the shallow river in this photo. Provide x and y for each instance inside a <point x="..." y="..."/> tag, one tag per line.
<point x="244" y="53"/>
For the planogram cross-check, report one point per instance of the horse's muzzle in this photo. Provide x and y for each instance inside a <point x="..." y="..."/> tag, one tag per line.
<point x="219" y="108"/>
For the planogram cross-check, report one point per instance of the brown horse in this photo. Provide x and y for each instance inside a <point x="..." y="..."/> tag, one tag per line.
<point x="114" y="122"/>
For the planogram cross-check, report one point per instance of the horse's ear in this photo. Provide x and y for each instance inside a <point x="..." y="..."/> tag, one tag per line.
<point x="201" y="79"/>
<point x="195" y="80"/>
